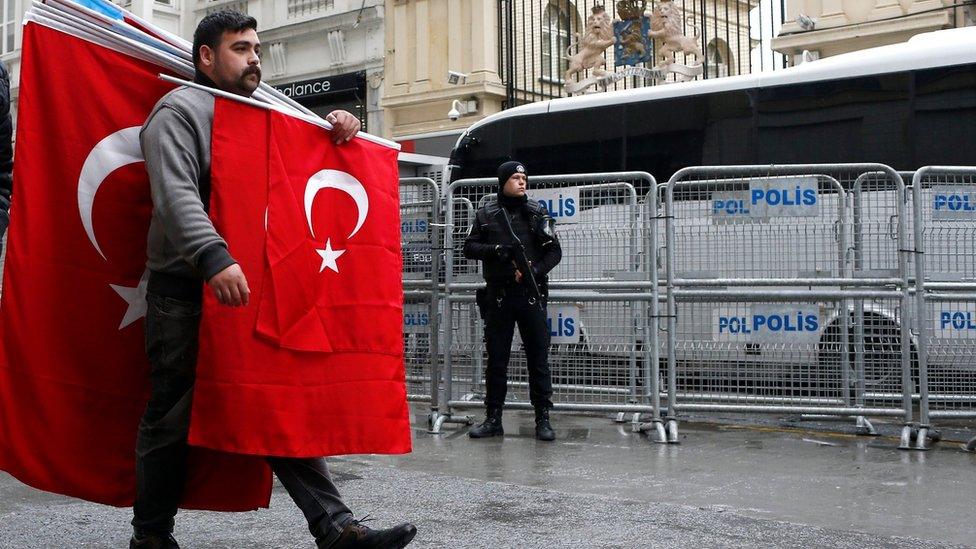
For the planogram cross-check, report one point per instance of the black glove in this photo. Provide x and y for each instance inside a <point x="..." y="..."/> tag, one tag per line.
<point x="504" y="252"/>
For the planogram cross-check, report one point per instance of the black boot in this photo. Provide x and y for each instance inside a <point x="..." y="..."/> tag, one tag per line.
<point x="491" y="427"/>
<point x="357" y="536"/>
<point x="142" y="540"/>
<point x="543" y="430"/>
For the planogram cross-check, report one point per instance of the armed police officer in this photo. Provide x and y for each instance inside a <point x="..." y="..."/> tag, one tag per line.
<point x="514" y="238"/>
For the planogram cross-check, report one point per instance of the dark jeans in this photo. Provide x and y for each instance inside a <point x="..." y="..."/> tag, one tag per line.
<point x="172" y="339"/>
<point x="503" y="312"/>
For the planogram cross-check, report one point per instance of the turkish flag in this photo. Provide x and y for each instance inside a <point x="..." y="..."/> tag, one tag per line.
<point x="74" y="378"/>
<point x="316" y="358"/>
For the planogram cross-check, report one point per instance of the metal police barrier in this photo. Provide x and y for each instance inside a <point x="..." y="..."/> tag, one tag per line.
<point x="777" y="300"/>
<point x="602" y="337"/>
<point x="653" y="263"/>
<point x="420" y="235"/>
<point x="945" y="291"/>
<point x="879" y="366"/>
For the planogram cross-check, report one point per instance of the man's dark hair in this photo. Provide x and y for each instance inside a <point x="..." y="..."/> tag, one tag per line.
<point x="213" y="26"/>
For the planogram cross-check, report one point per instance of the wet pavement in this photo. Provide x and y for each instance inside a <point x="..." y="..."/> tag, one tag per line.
<point x="766" y="483"/>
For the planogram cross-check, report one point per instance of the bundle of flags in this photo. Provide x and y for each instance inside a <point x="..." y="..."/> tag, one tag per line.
<point x="312" y="367"/>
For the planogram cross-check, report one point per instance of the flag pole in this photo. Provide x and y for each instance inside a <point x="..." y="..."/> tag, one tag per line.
<point x="313" y="119"/>
<point x="120" y="26"/>
<point x="109" y="31"/>
<point x="164" y="42"/>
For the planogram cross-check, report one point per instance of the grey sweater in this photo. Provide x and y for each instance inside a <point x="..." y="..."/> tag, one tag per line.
<point x="175" y="141"/>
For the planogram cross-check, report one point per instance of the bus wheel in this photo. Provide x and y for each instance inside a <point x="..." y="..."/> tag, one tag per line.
<point x="881" y="355"/>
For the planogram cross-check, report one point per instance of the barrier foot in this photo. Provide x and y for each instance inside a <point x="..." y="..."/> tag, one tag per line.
<point x="673" y="432"/>
<point x="659" y="435"/>
<point x="970" y="446"/>
<point x="635" y="422"/>
<point x="621" y="417"/>
<point x="921" y="440"/>
<point x="865" y="428"/>
<point x="436" y="422"/>
<point x="906" y="438"/>
<point x="655" y="431"/>
<point x="917" y="437"/>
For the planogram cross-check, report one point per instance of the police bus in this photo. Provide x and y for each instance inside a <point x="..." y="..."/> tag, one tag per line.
<point x="905" y="105"/>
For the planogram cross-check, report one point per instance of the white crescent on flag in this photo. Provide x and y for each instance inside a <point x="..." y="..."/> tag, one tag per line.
<point x="341" y="181"/>
<point x="111" y="153"/>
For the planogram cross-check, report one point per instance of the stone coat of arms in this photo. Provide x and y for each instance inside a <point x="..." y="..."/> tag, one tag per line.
<point x="636" y="37"/>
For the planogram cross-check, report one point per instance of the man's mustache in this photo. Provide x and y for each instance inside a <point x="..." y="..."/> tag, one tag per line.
<point x="252" y="70"/>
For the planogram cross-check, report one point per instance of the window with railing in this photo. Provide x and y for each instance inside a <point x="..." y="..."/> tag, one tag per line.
<point x="301" y="8"/>
<point x="9" y="28"/>
<point x="718" y="59"/>
<point x="556" y="32"/>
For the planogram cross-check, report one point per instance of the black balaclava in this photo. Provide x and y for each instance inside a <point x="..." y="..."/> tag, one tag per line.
<point x="505" y="171"/>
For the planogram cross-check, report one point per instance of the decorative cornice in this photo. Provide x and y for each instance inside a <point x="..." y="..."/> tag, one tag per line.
<point x="864" y="32"/>
<point x="291" y="30"/>
<point x="446" y="94"/>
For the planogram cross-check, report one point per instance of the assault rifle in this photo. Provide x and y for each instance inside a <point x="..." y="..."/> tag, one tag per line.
<point x="521" y="260"/>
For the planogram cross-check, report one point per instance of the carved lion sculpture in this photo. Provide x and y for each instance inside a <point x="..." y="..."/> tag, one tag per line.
<point x="666" y="28"/>
<point x="595" y="40"/>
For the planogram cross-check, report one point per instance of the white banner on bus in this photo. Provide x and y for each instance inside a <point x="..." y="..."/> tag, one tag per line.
<point x="954" y="320"/>
<point x="562" y="204"/>
<point x="416" y="318"/>
<point x="414" y="228"/>
<point x="767" y="198"/>
<point x="953" y="203"/>
<point x="564" y="323"/>
<point x="772" y="323"/>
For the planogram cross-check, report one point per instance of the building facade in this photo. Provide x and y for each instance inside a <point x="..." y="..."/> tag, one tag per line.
<point x="324" y="54"/>
<point x="426" y="41"/>
<point x="830" y="27"/>
<point x="511" y="52"/>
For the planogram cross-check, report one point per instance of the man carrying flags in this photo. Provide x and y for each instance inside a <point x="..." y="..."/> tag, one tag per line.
<point x="186" y="253"/>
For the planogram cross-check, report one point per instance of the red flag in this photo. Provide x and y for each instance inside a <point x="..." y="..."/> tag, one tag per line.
<point x="74" y="379"/>
<point x="316" y="359"/>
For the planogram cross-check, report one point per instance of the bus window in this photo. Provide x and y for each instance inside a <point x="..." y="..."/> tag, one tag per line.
<point x="945" y="115"/>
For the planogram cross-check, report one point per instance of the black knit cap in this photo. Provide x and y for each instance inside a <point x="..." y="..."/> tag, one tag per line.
<point x="507" y="169"/>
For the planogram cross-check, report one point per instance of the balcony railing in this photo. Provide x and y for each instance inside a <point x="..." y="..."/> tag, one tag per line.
<point x="224" y="5"/>
<point x="301" y="8"/>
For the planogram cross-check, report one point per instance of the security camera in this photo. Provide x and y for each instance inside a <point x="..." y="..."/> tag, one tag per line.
<point x="454" y="77"/>
<point x="457" y="109"/>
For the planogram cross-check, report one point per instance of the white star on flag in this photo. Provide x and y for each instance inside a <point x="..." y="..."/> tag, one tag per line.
<point x="329" y="256"/>
<point x="135" y="297"/>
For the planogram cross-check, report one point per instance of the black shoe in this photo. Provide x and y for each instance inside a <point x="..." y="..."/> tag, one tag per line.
<point x="153" y="541"/>
<point x="491" y="427"/>
<point x="356" y="535"/>
<point x="543" y="430"/>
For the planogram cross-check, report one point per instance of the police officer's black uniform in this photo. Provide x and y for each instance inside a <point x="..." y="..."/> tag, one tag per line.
<point x="506" y="303"/>
<point x="6" y="150"/>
